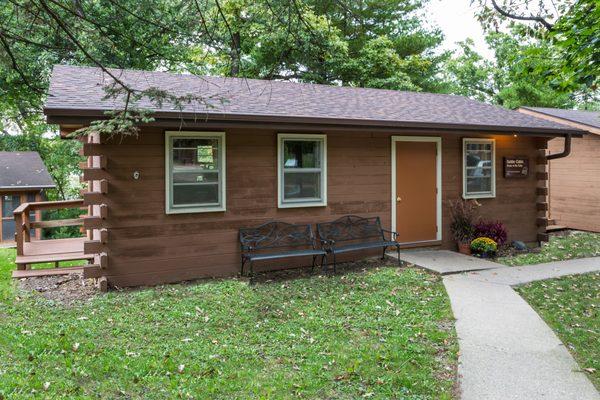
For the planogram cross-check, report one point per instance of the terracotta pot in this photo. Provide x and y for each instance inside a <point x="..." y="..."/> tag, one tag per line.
<point x="464" y="248"/>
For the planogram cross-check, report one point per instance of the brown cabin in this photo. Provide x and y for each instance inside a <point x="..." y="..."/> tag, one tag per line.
<point x="575" y="180"/>
<point x="168" y="204"/>
<point x="23" y="178"/>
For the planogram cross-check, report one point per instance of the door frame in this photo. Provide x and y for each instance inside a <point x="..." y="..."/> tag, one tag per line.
<point x="438" y="141"/>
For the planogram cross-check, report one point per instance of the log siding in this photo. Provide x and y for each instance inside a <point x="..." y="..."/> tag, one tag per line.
<point x="148" y="246"/>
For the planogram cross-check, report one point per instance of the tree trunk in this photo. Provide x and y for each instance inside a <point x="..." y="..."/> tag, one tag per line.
<point x="235" y="54"/>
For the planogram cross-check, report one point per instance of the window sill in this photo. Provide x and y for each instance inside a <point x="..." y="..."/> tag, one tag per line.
<point x="478" y="196"/>
<point x="196" y="210"/>
<point x="301" y="205"/>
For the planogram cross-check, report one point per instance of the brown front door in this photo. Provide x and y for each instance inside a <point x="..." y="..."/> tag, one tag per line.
<point x="416" y="194"/>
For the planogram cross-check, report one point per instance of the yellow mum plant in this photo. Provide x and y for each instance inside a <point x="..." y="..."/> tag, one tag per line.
<point x="484" y="245"/>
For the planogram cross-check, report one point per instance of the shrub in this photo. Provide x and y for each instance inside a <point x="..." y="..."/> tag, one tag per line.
<point x="484" y="245"/>
<point x="492" y="229"/>
<point x="464" y="214"/>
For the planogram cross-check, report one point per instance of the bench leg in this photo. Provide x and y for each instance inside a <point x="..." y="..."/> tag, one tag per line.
<point x="399" y="262"/>
<point x="312" y="269"/>
<point x="383" y="253"/>
<point x="334" y="263"/>
<point x="324" y="263"/>
<point x="242" y="266"/>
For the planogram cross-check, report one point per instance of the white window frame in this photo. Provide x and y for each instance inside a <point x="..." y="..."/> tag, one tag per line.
<point x="171" y="209"/>
<point x="478" y="195"/>
<point x="281" y="138"/>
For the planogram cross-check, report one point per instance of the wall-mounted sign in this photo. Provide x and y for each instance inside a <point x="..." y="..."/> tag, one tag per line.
<point x="516" y="167"/>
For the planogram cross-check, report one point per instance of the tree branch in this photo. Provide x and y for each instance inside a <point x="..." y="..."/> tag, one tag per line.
<point x="15" y="65"/>
<point x="533" y="18"/>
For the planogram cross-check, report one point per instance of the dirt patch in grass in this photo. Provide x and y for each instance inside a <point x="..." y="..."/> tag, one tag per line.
<point x="63" y="289"/>
<point x="71" y="289"/>
<point x="342" y="269"/>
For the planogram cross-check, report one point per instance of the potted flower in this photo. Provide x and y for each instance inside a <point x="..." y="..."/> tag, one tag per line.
<point x="484" y="247"/>
<point x="462" y="225"/>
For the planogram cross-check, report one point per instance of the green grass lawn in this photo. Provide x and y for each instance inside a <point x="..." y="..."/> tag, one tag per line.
<point x="575" y="245"/>
<point x="571" y="306"/>
<point x="381" y="333"/>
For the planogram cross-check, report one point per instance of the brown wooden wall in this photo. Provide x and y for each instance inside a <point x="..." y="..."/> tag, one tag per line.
<point x="575" y="184"/>
<point x="147" y="246"/>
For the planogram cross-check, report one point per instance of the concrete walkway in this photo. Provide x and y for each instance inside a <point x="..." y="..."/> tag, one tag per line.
<point x="506" y="350"/>
<point x="445" y="262"/>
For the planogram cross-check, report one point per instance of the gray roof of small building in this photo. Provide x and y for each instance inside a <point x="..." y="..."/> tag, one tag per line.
<point x="80" y="91"/>
<point x="23" y="170"/>
<point x="590" y="118"/>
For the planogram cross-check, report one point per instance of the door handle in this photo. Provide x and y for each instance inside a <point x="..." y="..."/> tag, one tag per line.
<point x="398" y="199"/>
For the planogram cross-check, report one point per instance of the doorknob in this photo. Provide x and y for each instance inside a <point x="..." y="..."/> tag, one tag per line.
<point x="398" y="199"/>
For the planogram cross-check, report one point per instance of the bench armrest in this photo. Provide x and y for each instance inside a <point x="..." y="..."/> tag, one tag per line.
<point x="247" y="249"/>
<point x="327" y="242"/>
<point x="393" y="235"/>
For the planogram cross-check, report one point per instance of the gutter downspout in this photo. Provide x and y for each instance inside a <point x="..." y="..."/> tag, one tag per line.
<point x="544" y="211"/>
<point x="564" y="153"/>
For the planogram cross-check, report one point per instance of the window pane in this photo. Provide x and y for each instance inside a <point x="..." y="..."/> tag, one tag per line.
<point x="480" y="170"/>
<point x="195" y="177"/>
<point x="302" y="185"/>
<point x="475" y="158"/>
<point x="477" y="185"/>
<point x="195" y="194"/>
<point x="8" y="230"/>
<point x="196" y="153"/>
<point x="479" y="147"/>
<point x="301" y="154"/>
<point x="9" y="203"/>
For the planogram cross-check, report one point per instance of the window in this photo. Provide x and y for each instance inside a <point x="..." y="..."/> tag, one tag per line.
<point x="479" y="168"/>
<point x="302" y="170"/>
<point x="195" y="172"/>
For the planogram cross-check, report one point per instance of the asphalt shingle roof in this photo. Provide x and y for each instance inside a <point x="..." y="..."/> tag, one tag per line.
<point x="80" y="91"/>
<point x="590" y="118"/>
<point x="23" y="169"/>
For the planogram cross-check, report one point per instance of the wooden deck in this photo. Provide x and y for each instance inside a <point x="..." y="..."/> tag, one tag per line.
<point x="53" y="250"/>
<point x="30" y="273"/>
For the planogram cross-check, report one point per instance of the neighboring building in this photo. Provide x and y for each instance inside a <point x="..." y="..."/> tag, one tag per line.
<point x="23" y="178"/>
<point x="167" y="205"/>
<point x="574" y="180"/>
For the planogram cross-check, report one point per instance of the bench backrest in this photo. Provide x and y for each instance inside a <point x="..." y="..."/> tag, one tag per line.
<point x="276" y="234"/>
<point x="351" y="227"/>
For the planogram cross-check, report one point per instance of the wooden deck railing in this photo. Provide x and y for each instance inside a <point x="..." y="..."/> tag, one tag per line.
<point x="24" y="224"/>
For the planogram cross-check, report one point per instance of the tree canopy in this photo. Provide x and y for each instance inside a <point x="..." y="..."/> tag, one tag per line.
<point x="544" y="54"/>
<point x="570" y="27"/>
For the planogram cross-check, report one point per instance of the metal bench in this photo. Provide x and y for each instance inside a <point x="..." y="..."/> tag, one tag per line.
<point x="275" y="240"/>
<point x="354" y="233"/>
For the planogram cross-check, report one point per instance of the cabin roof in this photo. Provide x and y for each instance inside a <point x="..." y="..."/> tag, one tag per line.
<point x="589" y="118"/>
<point x="23" y="170"/>
<point x="80" y="92"/>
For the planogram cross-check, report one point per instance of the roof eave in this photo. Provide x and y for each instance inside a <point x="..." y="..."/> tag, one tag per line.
<point x="564" y="120"/>
<point x="24" y="187"/>
<point x="66" y="115"/>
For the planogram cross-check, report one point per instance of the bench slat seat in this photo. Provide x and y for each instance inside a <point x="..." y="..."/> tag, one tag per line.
<point x="275" y="240"/>
<point x="354" y="233"/>
<point x="364" y="246"/>
<point x="284" y="254"/>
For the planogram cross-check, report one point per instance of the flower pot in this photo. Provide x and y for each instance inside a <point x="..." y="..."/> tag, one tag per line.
<point x="464" y="248"/>
<point x="486" y="254"/>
